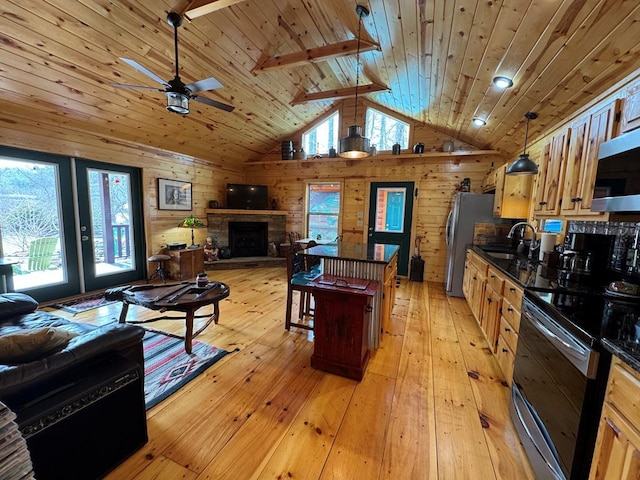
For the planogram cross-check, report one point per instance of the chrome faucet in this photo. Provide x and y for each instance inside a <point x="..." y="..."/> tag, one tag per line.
<point x="534" y="242"/>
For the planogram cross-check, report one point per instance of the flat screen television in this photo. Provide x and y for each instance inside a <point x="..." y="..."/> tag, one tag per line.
<point x="247" y="197"/>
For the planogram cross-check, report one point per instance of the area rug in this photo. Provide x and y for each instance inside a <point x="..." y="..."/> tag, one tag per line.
<point x="83" y="304"/>
<point x="167" y="367"/>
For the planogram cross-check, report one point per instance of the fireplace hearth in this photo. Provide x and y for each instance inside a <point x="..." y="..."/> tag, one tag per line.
<point x="248" y="239"/>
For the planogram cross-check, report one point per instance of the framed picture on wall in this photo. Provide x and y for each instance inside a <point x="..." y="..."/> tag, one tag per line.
<point x="174" y="195"/>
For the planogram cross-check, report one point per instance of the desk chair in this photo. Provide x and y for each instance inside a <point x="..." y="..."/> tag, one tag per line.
<point x="301" y="272"/>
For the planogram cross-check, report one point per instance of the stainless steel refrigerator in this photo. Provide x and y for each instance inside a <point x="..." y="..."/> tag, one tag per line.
<point x="466" y="210"/>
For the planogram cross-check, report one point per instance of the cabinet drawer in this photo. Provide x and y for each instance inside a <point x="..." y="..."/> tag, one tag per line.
<point x="624" y="391"/>
<point x="510" y="313"/>
<point x="505" y="358"/>
<point x="479" y="263"/>
<point x="509" y="334"/>
<point x="495" y="279"/>
<point x="513" y="293"/>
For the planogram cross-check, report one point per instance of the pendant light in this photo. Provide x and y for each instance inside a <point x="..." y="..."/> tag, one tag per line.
<point x="524" y="165"/>
<point x="354" y="145"/>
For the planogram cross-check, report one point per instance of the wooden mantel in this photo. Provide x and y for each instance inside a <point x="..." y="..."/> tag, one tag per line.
<point x="231" y="211"/>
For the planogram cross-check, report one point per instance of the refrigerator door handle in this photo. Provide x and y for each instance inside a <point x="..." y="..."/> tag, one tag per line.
<point x="448" y="231"/>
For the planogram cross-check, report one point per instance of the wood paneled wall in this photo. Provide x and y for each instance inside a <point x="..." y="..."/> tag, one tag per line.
<point x="208" y="177"/>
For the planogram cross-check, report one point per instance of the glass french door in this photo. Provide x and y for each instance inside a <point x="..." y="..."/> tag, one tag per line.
<point x="40" y="205"/>
<point x="110" y="224"/>
<point x="390" y="214"/>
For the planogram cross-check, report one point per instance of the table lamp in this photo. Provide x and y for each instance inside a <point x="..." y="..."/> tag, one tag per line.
<point x="192" y="222"/>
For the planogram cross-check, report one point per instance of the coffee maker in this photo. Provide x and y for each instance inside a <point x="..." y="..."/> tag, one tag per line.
<point x="585" y="258"/>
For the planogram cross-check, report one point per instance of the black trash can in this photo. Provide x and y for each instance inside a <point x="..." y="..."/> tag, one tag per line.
<point x="416" y="270"/>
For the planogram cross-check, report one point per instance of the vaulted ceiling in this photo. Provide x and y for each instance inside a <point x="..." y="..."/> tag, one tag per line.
<point x="59" y="59"/>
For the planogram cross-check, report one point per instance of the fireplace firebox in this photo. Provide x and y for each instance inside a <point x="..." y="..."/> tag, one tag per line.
<point x="249" y="239"/>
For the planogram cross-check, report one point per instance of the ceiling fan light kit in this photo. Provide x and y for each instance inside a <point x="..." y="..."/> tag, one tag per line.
<point x="354" y="145"/>
<point x="524" y="165"/>
<point x="178" y="94"/>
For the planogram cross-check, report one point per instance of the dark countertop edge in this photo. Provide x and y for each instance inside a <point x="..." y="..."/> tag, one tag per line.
<point x="622" y="353"/>
<point x="385" y="261"/>
<point x="633" y="360"/>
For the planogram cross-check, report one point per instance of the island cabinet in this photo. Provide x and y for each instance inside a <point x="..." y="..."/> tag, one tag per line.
<point x="509" y="327"/>
<point x="617" y="452"/>
<point x="587" y="133"/>
<point x="184" y="264"/>
<point x="342" y="316"/>
<point x="491" y="310"/>
<point x="550" y="178"/>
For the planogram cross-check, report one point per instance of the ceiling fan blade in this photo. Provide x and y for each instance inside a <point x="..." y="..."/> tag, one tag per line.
<point x="213" y="103"/>
<point x="144" y="70"/>
<point x="136" y="87"/>
<point x="206" y="84"/>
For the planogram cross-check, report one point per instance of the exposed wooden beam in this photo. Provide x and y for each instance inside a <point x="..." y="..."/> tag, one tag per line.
<point x="313" y="55"/>
<point x="198" y="8"/>
<point x="339" y="93"/>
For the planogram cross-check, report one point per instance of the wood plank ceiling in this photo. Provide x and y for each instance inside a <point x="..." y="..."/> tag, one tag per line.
<point x="58" y="59"/>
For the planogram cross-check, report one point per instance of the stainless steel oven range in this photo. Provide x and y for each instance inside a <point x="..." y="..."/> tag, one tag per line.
<point x="559" y="381"/>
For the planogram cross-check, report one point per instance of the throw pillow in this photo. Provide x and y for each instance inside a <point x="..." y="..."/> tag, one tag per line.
<point x="33" y="344"/>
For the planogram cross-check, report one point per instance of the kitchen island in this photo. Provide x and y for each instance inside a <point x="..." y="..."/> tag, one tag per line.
<point x="374" y="261"/>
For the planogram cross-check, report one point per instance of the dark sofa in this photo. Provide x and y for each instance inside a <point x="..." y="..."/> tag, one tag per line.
<point x="77" y="389"/>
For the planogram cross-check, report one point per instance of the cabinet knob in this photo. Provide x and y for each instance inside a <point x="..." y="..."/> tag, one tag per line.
<point x="512" y="289"/>
<point x="489" y="300"/>
<point x="542" y="203"/>
<point x="504" y="350"/>
<point x="509" y="309"/>
<point x="507" y="329"/>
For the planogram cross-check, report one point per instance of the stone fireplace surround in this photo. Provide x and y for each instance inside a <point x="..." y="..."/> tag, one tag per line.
<point x="218" y="223"/>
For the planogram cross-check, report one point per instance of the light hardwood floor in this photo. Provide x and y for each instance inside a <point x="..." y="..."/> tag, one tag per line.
<point x="432" y="404"/>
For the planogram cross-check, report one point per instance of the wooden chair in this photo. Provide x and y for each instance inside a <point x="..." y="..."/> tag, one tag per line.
<point x="301" y="272"/>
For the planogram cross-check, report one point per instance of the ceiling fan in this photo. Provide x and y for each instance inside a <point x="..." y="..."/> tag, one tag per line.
<point x="178" y="94"/>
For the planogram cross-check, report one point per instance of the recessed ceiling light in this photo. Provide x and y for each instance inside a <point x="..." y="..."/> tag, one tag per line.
<point x="479" y="122"/>
<point x="502" y="82"/>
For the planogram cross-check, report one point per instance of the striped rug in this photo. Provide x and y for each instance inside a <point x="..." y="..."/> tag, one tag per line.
<point x="167" y="367"/>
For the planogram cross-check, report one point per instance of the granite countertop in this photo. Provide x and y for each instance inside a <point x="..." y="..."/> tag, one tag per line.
<point x="535" y="276"/>
<point x="363" y="252"/>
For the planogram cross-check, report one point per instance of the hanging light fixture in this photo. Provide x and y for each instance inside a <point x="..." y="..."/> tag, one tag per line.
<point x="354" y="145"/>
<point x="524" y="165"/>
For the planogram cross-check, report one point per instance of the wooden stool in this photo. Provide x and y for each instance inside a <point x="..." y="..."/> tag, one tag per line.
<point x="159" y="271"/>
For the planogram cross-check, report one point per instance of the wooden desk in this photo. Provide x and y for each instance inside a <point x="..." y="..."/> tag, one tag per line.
<point x="6" y="270"/>
<point x="375" y="261"/>
<point x="185" y="264"/>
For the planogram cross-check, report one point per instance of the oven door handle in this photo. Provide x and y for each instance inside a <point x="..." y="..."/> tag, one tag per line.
<point x="574" y="350"/>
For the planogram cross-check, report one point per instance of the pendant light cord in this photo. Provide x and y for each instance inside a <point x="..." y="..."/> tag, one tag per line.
<point x="526" y="135"/>
<point x="355" y="114"/>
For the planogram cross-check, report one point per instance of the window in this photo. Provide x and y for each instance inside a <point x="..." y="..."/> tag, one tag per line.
<point x="384" y="130"/>
<point x="322" y="137"/>
<point x="323" y="208"/>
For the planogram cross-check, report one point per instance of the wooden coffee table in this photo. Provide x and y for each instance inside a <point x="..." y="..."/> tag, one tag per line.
<point x="182" y="297"/>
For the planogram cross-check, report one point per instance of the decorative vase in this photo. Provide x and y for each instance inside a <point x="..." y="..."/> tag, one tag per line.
<point x="287" y="150"/>
<point x="395" y="149"/>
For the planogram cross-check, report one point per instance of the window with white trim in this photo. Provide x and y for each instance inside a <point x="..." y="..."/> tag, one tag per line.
<point x="322" y="137"/>
<point x="323" y="210"/>
<point x="384" y="131"/>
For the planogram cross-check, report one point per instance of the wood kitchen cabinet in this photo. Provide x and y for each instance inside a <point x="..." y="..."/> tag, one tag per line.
<point x="512" y="193"/>
<point x="630" y="116"/>
<point x="617" y="451"/>
<point x="185" y="264"/>
<point x="587" y="134"/>
<point x="550" y="179"/>
<point x="491" y="310"/>
<point x="509" y="327"/>
<point x="475" y="279"/>
<point x="341" y="324"/>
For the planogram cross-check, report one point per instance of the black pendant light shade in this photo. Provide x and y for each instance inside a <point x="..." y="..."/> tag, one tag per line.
<point x="354" y="145"/>
<point x="524" y="165"/>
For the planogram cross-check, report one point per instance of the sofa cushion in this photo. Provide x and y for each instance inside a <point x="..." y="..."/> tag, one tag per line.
<point x="15" y="304"/>
<point x="31" y="344"/>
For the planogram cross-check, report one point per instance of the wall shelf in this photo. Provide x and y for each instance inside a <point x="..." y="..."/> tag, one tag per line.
<point x="385" y="156"/>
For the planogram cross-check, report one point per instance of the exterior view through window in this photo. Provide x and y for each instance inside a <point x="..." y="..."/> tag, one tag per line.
<point x="384" y="131"/>
<point x="322" y="137"/>
<point x="323" y="209"/>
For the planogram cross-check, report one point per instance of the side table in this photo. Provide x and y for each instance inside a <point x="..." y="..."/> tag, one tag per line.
<point x="184" y="264"/>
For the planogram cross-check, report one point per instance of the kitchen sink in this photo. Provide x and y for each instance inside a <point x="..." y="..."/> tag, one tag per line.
<point x="502" y="255"/>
